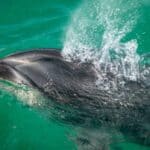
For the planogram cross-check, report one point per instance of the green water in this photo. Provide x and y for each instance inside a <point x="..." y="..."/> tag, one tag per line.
<point x="26" y="24"/>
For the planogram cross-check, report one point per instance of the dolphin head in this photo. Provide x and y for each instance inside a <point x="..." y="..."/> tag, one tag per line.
<point x="9" y="72"/>
<point x="11" y="67"/>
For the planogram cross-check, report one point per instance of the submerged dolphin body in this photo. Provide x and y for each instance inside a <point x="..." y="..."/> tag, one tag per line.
<point x="73" y="85"/>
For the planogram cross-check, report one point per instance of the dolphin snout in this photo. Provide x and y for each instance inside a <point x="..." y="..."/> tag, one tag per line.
<point x="6" y="71"/>
<point x="9" y="72"/>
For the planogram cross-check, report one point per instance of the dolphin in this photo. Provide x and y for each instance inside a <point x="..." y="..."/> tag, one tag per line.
<point x="72" y="84"/>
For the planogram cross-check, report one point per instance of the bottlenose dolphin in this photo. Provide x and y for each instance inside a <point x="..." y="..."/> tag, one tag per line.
<point x="73" y="85"/>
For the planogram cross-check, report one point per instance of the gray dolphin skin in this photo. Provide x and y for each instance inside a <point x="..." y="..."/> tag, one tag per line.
<point x="72" y="86"/>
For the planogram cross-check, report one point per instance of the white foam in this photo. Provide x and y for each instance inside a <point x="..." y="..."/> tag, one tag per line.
<point x="96" y="32"/>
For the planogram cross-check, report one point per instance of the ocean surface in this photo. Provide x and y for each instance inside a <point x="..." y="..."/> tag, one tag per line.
<point x="84" y="29"/>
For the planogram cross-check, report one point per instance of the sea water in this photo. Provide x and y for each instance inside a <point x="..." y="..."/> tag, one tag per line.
<point x="110" y="33"/>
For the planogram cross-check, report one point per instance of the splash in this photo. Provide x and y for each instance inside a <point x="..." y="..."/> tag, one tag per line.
<point x="23" y="93"/>
<point x="97" y="32"/>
